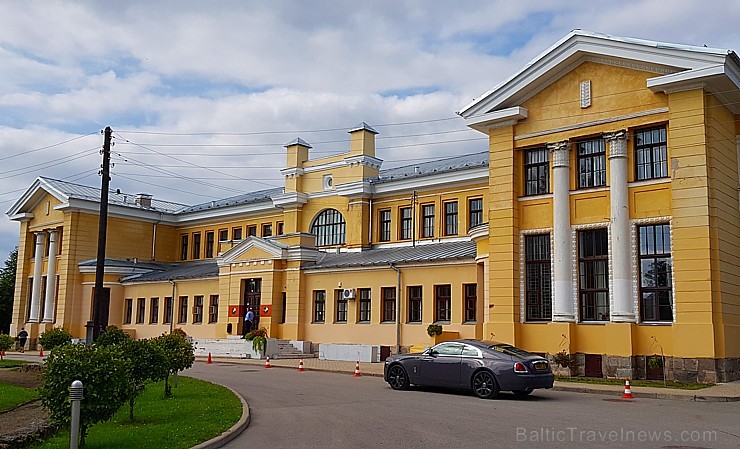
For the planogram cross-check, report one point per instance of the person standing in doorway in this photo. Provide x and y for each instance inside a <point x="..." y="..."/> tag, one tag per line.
<point x="22" y="337"/>
<point x="248" y="320"/>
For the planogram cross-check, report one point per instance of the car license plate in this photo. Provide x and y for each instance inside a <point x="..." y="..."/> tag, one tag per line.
<point x="540" y="366"/>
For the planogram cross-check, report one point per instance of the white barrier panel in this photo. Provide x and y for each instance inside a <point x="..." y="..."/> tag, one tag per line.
<point x="349" y="352"/>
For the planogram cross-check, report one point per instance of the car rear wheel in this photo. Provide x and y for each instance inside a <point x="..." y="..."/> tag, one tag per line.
<point x="485" y="385"/>
<point x="522" y="393"/>
<point x="397" y="378"/>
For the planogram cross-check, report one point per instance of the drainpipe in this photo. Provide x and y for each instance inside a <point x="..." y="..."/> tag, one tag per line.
<point x="398" y="308"/>
<point x="172" y="309"/>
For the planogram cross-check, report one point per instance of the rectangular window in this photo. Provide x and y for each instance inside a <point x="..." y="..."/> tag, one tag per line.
<point x="415" y="304"/>
<point x="427" y="220"/>
<point x="213" y="309"/>
<point x="267" y="230"/>
<point x="236" y="233"/>
<point x="154" y="311"/>
<point x="341" y="307"/>
<point x="475" y="212"/>
<point x="451" y="218"/>
<point x="140" y="310"/>
<point x="593" y="274"/>
<point x="385" y="225"/>
<point x="591" y="163"/>
<point x="407" y="223"/>
<point x="389" y="304"/>
<point x="184" y="247"/>
<point x="280" y="228"/>
<point x="197" y="309"/>
<point x="223" y="235"/>
<point x="470" y="292"/>
<point x="538" y="277"/>
<point x="128" y="312"/>
<point x="651" y="153"/>
<point x="169" y="307"/>
<point x="183" y="315"/>
<point x="536" y="171"/>
<point x="442" y="302"/>
<point x="209" y="244"/>
<point x="196" y="245"/>
<point x="656" y="282"/>
<point x="319" y="306"/>
<point x="365" y="302"/>
<point x="47" y="244"/>
<point x="252" y="231"/>
<point x="60" y="239"/>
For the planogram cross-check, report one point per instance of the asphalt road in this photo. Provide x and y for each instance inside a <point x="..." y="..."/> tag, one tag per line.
<point x="327" y="410"/>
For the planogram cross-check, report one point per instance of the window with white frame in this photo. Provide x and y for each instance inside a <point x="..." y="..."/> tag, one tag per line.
<point x="593" y="274"/>
<point x="537" y="284"/>
<point x="655" y="267"/>
<point x="651" y="153"/>
<point x="329" y="228"/>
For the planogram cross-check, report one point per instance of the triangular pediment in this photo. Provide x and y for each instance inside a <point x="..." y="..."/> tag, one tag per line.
<point x="40" y="189"/>
<point x="253" y="248"/>
<point x="671" y="64"/>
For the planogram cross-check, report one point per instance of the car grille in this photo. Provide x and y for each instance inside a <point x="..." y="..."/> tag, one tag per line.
<point x="540" y="366"/>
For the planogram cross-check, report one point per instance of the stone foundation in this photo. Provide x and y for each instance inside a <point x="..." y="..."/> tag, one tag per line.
<point x="703" y="371"/>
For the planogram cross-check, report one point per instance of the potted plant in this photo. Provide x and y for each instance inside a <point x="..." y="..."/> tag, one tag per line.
<point x="434" y="329"/>
<point x="563" y="359"/>
<point x="259" y="339"/>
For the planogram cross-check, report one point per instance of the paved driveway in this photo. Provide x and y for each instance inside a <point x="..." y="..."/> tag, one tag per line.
<point x="328" y="410"/>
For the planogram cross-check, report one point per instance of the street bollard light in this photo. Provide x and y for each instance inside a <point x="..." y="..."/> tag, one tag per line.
<point x="75" y="396"/>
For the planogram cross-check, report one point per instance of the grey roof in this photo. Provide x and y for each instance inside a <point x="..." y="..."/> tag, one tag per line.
<point x="126" y="263"/>
<point x="363" y="126"/>
<point x="409" y="254"/>
<point x="178" y="271"/>
<point x="77" y="191"/>
<point x="464" y="162"/>
<point x="298" y="141"/>
<point x="247" y="198"/>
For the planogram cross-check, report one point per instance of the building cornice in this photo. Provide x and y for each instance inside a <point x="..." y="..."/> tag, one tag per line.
<point x="497" y="119"/>
<point x="290" y="199"/>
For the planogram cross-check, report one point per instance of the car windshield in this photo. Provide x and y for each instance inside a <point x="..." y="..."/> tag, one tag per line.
<point x="508" y="349"/>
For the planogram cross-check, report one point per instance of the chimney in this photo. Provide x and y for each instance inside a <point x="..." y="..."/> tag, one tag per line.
<point x="143" y="200"/>
<point x="362" y="140"/>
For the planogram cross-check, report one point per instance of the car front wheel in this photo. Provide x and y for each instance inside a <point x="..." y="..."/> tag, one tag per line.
<point x="484" y="385"/>
<point x="397" y="378"/>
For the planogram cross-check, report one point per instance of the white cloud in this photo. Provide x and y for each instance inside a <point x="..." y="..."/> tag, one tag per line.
<point x="255" y="67"/>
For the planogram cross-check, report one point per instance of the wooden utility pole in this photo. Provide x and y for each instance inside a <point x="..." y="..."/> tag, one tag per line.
<point x="100" y="300"/>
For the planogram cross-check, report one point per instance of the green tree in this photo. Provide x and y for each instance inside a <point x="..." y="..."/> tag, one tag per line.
<point x="179" y="355"/>
<point x="147" y="362"/>
<point x="7" y="290"/>
<point x="52" y="338"/>
<point x="104" y="372"/>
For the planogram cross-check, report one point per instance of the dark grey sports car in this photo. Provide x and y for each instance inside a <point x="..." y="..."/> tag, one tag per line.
<point x="486" y="367"/>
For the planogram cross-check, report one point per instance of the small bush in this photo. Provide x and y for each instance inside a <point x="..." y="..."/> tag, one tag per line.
<point x="261" y="332"/>
<point x="434" y="329"/>
<point x="6" y="342"/>
<point x="147" y="362"/>
<point x="104" y="372"/>
<point x="54" y="337"/>
<point x="112" y="336"/>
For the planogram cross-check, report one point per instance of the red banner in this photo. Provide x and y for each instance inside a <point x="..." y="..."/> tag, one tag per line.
<point x="236" y="311"/>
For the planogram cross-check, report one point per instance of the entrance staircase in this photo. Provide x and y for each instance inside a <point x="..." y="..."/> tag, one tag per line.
<point x="236" y="347"/>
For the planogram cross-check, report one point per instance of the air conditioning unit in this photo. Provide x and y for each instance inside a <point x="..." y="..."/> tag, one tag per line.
<point x="348" y="293"/>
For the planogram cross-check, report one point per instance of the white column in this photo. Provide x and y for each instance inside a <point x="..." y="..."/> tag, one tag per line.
<point x="38" y="260"/>
<point x="562" y="304"/>
<point x="51" y="278"/>
<point x="623" y="309"/>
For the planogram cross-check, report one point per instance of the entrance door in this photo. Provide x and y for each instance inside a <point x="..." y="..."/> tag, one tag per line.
<point x="252" y="294"/>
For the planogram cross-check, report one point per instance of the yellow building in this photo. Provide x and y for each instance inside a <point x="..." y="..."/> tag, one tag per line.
<point x="603" y="221"/>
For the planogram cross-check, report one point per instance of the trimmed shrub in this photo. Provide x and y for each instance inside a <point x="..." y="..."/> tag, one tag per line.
<point x="147" y="362"/>
<point x="52" y="338"/>
<point x="6" y="342"/>
<point x="112" y="336"/>
<point x="178" y="352"/>
<point x="104" y="372"/>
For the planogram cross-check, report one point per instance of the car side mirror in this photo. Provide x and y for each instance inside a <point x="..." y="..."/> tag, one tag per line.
<point x="433" y="353"/>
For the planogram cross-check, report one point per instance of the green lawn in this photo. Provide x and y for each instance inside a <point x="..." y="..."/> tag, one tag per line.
<point x="12" y="396"/>
<point x="11" y="363"/>
<point x="198" y="412"/>
<point x="634" y="383"/>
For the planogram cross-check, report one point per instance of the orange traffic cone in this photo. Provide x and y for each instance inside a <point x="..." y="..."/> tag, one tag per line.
<point x="267" y="362"/>
<point x="300" y="366"/>
<point x="357" y="369"/>
<point x="209" y="361"/>
<point x="41" y="351"/>
<point x="627" y="390"/>
<point x="3" y="353"/>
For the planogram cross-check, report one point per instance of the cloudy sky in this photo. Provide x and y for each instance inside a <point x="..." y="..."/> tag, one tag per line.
<point x="202" y="96"/>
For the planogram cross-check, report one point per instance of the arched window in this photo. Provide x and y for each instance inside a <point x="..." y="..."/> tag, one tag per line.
<point x="329" y="228"/>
